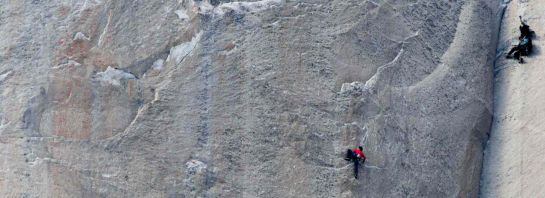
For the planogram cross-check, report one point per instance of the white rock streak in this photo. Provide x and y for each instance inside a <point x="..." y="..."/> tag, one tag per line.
<point x="195" y="166"/>
<point x="69" y="63"/>
<point x="352" y="87"/>
<point x="247" y="7"/>
<point x="181" y="14"/>
<point x="100" y="39"/>
<point x="179" y="52"/>
<point x="113" y="76"/>
<point x="4" y="76"/>
<point x="80" y="37"/>
<point x="239" y="7"/>
<point x="158" y="64"/>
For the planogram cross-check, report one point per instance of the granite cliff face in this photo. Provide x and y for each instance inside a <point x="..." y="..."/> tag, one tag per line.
<point x="215" y="98"/>
<point x="514" y="165"/>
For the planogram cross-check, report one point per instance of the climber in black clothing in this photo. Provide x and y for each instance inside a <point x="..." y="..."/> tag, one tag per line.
<point x="524" y="48"/>
<point x="524" y="29"/>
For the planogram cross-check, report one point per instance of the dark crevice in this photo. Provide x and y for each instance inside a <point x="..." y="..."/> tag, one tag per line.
<point x="496" y="50"/>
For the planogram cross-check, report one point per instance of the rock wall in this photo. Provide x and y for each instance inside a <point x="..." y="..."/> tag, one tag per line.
<point x="514" y="166"/>
<point x="214" y="98"/>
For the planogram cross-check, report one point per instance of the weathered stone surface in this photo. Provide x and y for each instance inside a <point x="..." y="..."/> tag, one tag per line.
<point x="214" y="98"/>
<point x="514" y="165"/>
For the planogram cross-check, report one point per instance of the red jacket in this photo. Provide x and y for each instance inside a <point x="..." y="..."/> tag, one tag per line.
<point x="359" y="153"/>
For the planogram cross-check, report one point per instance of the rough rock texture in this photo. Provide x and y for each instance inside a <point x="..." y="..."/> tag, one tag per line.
<point x="514" y="163"/>
<point x="214" y="98"/>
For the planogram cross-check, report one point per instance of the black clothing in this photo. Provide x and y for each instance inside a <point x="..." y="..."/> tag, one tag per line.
<point x="349" y="155"/>
<point x="524" y="31"/>
<point x="356" y="166"/>
<point x="524" y="48"/>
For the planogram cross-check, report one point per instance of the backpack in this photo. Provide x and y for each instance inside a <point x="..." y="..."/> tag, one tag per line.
<point x="350" y="154"/>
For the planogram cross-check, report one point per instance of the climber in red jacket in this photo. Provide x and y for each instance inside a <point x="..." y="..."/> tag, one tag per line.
<point x="360" y="154"/>
<point x="356" y="155"/>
